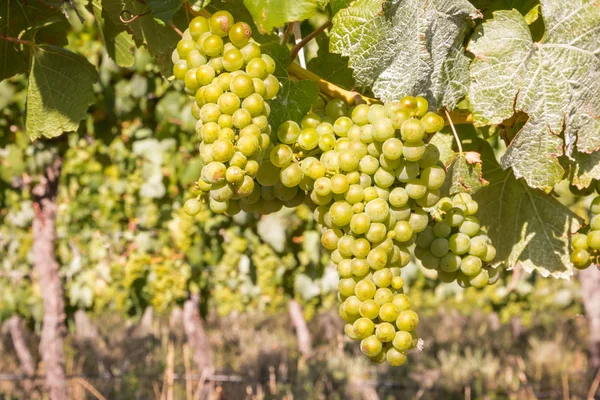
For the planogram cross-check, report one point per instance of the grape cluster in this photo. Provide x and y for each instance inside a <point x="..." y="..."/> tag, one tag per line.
<point x="369" y="175"/>
<point x="223" y="68"/>
<point x="586" y="247"/>
<point x="455" y="245"/>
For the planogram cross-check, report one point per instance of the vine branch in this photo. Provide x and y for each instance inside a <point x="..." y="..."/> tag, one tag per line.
<point x="308" y="38"/>
<point x="328" y="88"/>
<point x="458" y="143"/>
<point x="16" y="40"/>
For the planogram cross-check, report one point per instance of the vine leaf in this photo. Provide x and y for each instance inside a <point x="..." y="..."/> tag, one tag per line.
<point x="158" y="38"/>
<point x="330" y="66"/>
<point x="294" y="98"/>
<point x="527" y="226"/>
<point x="464" y="170"/>
<point x="556" y="81"/>
<point x="24" y="20"/>
<point x="163" y="10"/>
<point x="119" y="44"/>
<point x="59" y="93"/>
<point x="407" y="47"/>
<point x="268" y="14"/>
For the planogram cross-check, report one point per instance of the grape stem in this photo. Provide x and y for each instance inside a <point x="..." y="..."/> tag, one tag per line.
<point x="16" y="40"/>
<point x="329" y="88"/>
<point x="307" y="39"/>
<point x="176" y="29"/>
<point x="460" y="149"/>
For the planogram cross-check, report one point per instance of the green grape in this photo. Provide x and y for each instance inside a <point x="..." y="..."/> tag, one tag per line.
<point x="251" y="168"/>
<point x="385" y="332"/>
<point x="198" y="26"/>
<point x="416" y="189"/>
<point x="365" y="290"/>
<point x="439" y="247"/>
<point x="431" y="156"/>
<point x="378" y="210"/>
<point x="383" y="296"/>
<point x="360" y="223"/>
<point x="212" y="46"/>
<point x="401" y="301"/>
<point x="217" y="64"/>
<point x="450" y="262"/>
<point x="470" y="226"/>
<point x="384" y="178"/>
<point x="233" y="60"/>
<point x="240" y="34"/>
<point x="359" y="114"/>
<point x="409" y="104"/>
<point x="433" y="177"/>
<point x="308" y="139"/>
<point x="375" y="113"/>
<point x="180" y="69"/>
<point x="478" y="247"/>
<point x="594" y="240"/>
<point x="432" y="122"/>
<point x="454" y="217"/>
<point x="281" y="156"/>
<point x="322" y="186"/>
<point x="395" y="358"/>
<point x="595" y="206"/>
<point x="271" y="87"/>
<point x="195" y="59"/>
<point x="383" y="129"/>
<point x="242" y="85"/>
<point x="412" y="130"/>
<point x="205" y="74"/>
<point x="408" y="320"/>
<point x="330" y="238"/>
<point x="212" y="92"/>
<point x="382" y="278"/>
<point x="595" y="223"/>
<point x="184" y="47"/>
<point x="214" y="172"/>
<point x="407" y="172"/>
<point x="392" y="148"/>
<point x="369" y="308"/>
<point x="226" y="134"/>
<point x="267" y="174"/>
<point x="398" y="197"/>
<point x="371" y="346"/>
<point x="470" y="265"/>
<point x="339" y="184"/>
<point x="579" y="241"/>
<point x="430" y="199"/>
<point x="490" y="254"/>
<point x="250" y="51"/>
<point x="228" y="103"/>
<point x="403" y="232"/>
<point x="403" y="341"/>
<point x="257" y="68"/>
<point x="345" y="245"/>
<point x="246" y="188"/>
<point x="413" y="151"/>
<point x="192" y="206"/>
<point x="210" y="132"/>
<point x="221" y="192"/>
<point x="363" y="327"/>
<point x="291" y="175"/>
<point x="336" y="108"/>
<point x="377" y="259"/>
<point x="459" y="243"/>
<point x="254" y="104"/>
<point x="269" y="62"/>
<point x="580" y="258"/>
<point x="341" y="213"/>
<point x="418" y="220"/>
<point x="247" y="145"/>
<point x="221" y="23"/>
<point x="422" y="106"/>
<point x="190" y="81"/>
<point x="222" y="150"/>
<point x="355" y="194"/>
<point x="241" y="118"/>
<point x="388" y="311"/>
<point x="347" y="287"/>
<point x="360" y="267"/>
<point x="480" y="280"/>
<point x="441" y="229"/>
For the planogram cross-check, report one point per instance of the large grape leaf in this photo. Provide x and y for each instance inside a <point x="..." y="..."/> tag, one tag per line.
<point x="158" y="38"/>
<point x="59" y="93"/>
<point x="407" y="47"/>
<point x="330" y="66"/>
<point x="269" y="14"/>
<point x="556" y="81"/>
<point x="294" y="98"/>
<point x="118" y="43"/>
<point x="527" y="226"/>
<point x="31" y="18"/>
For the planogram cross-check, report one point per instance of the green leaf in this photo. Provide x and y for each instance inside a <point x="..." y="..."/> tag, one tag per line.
<point x="586" y="167"/>
<point x="294" y="98"/>
<point x="330" y="66"/>
<point x="464" y="170"/>
<point x="119" y="44"/>
<point x="163" y="10"/>
<point x="407" y="47"/>
<point x="337" y="5"/>
<point x="59" y="93"/>
<point x="159" y="39"/>
<point x="555" y="81"/>
<point x="526" y="225"/>
<point x="269" y="14"/>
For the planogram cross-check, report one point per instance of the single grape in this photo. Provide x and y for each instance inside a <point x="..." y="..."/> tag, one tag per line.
<point x="240" y="34"/>
<point x="432" y="122"/>
<point x="408" y="320"/>
<point x="221" y="23"/>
